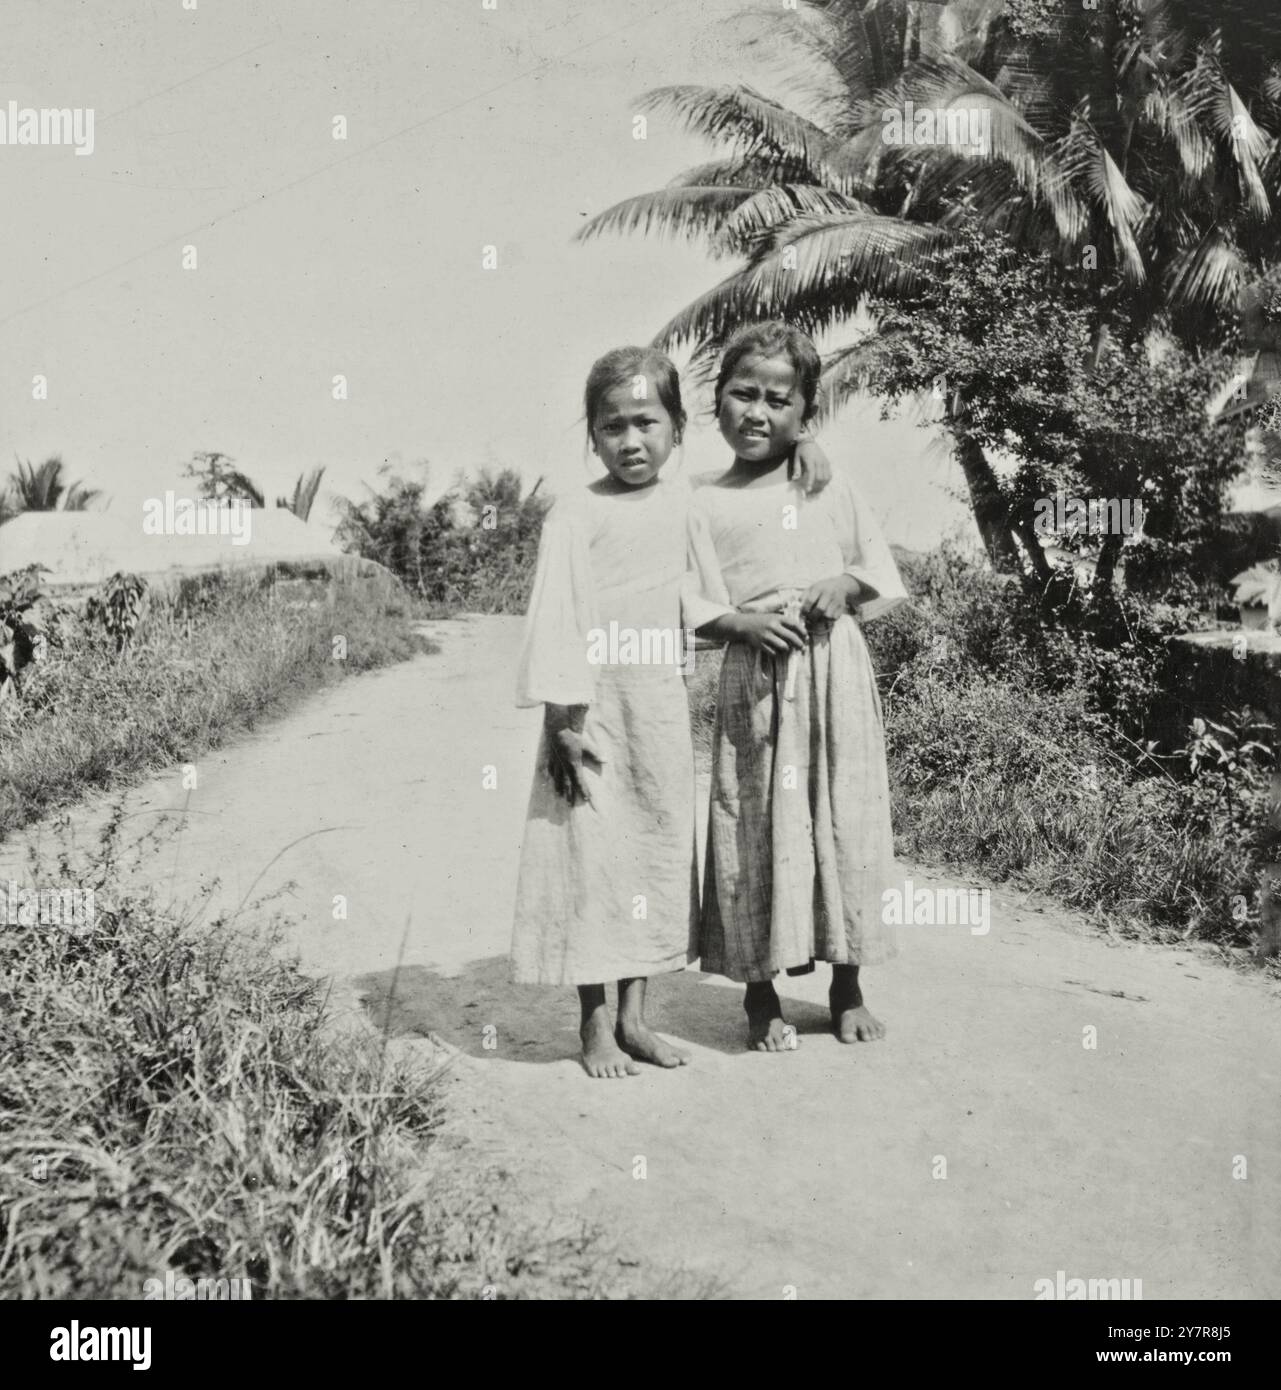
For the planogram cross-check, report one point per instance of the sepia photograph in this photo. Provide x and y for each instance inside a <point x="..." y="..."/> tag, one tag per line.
<point x="640" y="660"/>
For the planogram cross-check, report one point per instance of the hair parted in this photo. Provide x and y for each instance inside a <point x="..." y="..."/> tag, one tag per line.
<point x="774" y="338"/>
<point x="620" y="367"/>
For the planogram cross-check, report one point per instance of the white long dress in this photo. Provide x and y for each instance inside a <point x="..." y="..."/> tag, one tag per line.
<point x="799" y="846"/>
<point x="609" y="891"/>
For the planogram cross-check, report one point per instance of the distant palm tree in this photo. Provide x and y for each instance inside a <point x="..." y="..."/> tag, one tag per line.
<point x="305" y="490"/>
<point x="217" y="478"/>
<point x="1131" y="140"/>
<point x="44" y="489"/>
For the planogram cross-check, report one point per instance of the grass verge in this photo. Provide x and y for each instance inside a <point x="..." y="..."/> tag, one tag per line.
<point x="195" y="675"/>
<point x="173" y="1097"/>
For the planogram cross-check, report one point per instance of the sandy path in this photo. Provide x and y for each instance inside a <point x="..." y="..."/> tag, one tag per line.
<point x="817" y="1171"/>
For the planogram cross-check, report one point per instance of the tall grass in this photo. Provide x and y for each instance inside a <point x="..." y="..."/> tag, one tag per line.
<point x="1023" y="785"/>
<point x="202" y="667"/>
<point x="174" y="1097"/>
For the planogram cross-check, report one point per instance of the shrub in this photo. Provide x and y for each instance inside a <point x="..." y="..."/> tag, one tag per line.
<point x="475" y="548"/>
<point x="1028" y="784"/>
<point x="214" y="660"/>
<point x="174" y="1097"/>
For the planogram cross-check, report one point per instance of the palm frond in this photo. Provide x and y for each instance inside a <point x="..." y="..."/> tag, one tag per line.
<point x="847" y="370"/>
<point x="1208" y="275"/>
<point x="1248" y="145"/>
<point x="743" y="118"/>
<point x="1168" y="114"/>
<point x="78" y="497"/>
<point x="757" y="170"/>
<point x="684" y="212"/>
<point x="771" y="207"/>
<point x="1087" y="158"/>
<point x="812" y="271"/>
<point x="240" y="485"/>
<point x="885" y="24"/>
<point x="945" y="84"/>
<point x="306" y="487"/>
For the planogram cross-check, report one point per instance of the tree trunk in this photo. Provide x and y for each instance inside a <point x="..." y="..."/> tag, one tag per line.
<point x="1041" y="567"/>
<point x="991" y="515"/>
<point x="1109" y="554"/>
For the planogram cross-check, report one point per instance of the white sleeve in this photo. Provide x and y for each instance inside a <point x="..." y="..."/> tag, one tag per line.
<point x="703" y="593"/>
<point x="867" y="553"/>
<point x="554" y="668"/>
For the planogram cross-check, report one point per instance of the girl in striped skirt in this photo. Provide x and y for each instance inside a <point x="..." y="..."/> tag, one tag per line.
<point x="799" y="845"/>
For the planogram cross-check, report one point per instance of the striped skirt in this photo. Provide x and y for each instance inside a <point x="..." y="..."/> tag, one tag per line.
<point x="799" y="846"/>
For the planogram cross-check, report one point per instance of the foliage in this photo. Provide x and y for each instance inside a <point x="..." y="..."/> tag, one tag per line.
<point x="22" y="626"/>
<point x="210" y="661"/>
<point x="1229" y="774"/>
<point x="1259" y="586"/>
<point x="1132" y="156"/>
<point x="1025" y="784"/>
<point x="475" y="547"/>
<point x="303" y="497"/>
<point x="175" y="1097"/>
<point x="1014" y="354"/>
<point x="217" y="477"/>
<point x="43" y="488"/>
<point x="119" y="607"/>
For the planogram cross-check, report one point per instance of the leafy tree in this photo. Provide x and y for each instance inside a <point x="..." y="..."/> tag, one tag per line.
<point x="474" y="547"/>
<point x="1124" y="421"/>
<point x="1132" y="144"/>
<point x="216" y="477"/>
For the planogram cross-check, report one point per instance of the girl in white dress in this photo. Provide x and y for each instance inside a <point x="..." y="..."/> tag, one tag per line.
<point x="608" y="886"/>
<point x="799" y="846"/>
<point x="608" y="881"/>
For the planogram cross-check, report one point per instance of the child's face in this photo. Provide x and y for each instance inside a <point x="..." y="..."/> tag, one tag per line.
<point x="632" y="432"/>
<point x="762" y="410"/>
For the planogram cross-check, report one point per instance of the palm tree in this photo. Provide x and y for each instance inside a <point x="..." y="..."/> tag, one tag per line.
<point x="216" y="477"/>
<point x="305" y="489"/>
<point x="44" y="489"/>
<point x="1129" y="141"/>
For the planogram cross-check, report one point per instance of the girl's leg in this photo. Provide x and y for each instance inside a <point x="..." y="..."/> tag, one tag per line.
<point x="767" y="1030"/>
<point x="850" y="1020"/>
<point x="634" y="1035"/>
<point x="601" y="1054"/>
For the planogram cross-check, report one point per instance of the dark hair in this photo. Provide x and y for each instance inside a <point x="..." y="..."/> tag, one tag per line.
<point x="619" y="367"/>
<point x="774" y="339"/>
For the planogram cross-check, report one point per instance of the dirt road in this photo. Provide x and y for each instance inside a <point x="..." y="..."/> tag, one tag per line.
<point x="984" y="1145"/>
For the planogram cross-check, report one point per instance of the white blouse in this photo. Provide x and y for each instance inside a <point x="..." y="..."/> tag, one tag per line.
<point x="603" y="557"/>
<point x="746" y="544"/>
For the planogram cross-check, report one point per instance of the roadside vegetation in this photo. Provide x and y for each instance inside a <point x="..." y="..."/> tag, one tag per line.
<point x="174" y="1099"/>
<point x="100" y="693"/>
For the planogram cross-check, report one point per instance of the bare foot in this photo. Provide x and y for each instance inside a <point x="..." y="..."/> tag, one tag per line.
<point x="640" y="1041"/>
<point x="767" y="1030"/>
<point x="601" y="1054"/>
<point x="857" y="1025"/>
<point x="851" y="1021"/>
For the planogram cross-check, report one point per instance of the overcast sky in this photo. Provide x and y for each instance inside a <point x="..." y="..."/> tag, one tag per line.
<point x="467" y="127"/>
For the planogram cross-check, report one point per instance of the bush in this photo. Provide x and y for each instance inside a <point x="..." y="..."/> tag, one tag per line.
<point x="1028" y="784"/>
<point x="174" y="1098"/>
<point x="473" y="549"/>
<point x="212" y="661"/>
